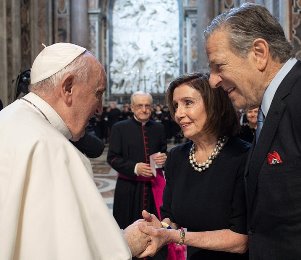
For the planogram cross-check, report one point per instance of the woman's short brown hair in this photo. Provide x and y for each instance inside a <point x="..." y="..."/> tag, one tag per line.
<point x="222" y="118"/>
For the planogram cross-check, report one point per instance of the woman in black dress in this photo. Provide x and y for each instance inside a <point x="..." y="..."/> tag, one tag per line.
<point x="204" y="190"/>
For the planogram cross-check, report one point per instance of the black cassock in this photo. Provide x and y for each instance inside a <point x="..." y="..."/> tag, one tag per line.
<point x="130" y="143"/>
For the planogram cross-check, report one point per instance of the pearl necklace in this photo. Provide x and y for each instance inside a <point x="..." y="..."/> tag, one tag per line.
<point x="205" y="165"/>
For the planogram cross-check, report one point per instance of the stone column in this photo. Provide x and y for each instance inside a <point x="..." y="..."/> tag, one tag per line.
<point x="79" y="23"/>
<point x="206" y="12"/>
<point x="3" y="53"/>
<point x="15" y="49"/>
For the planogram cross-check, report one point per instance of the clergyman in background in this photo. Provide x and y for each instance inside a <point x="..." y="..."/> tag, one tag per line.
<point x="131" y="144"/>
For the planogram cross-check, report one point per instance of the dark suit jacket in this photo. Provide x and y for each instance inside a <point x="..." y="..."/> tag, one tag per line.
<point x="274" y="191"/>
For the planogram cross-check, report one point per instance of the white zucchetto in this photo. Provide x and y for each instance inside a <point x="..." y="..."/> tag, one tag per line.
<point x="52" y="59"/>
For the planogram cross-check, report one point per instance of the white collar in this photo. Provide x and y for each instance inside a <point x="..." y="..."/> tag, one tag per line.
<point x="273" y="86"/>
<point x="48" y="112"/>
<point x="143" y="123"/>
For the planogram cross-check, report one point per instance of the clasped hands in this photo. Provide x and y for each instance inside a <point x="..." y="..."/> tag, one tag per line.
<point x="150" y="237"/>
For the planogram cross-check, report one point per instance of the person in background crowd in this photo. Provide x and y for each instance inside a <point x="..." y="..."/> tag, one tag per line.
<point x="176" y="132"/>
<point x="113" y="113"/>
<point x="102" y="127"/>
<point x="157" y="114"/>
<point x="131" y="144"/>
<point x="247" y="131"/>
<point x="126" y="112"/>
<point x="251" y="59"/>
<point x="166" y="121"/>
<point x="204" y="189"/>
<point x="50" y="207"/>
<point x="22" y="84"/>
<point x="241" y="116"/>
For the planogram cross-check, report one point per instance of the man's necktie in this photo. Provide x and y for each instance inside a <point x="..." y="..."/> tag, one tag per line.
<point x="260" y="120"/>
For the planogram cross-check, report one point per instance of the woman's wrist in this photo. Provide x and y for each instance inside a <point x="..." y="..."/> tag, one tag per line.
<point x="177" y="235"/>
<point x="182" y="236"/>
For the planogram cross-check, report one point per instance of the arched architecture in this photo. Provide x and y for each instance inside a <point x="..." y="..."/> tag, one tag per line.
<point x="27" y="24"/>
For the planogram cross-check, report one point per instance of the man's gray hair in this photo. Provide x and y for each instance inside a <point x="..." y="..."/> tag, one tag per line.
<point x="247" y="23"/>
<point x="141" y="93"/>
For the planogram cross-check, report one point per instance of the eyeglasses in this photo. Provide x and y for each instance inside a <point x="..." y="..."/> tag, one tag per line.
<point x="141" y="106"/>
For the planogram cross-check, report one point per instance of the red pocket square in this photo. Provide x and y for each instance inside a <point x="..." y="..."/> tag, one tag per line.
<point x="274" y="158"/>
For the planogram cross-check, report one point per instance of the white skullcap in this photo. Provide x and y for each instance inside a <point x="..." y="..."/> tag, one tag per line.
<point x="52" y="59"/>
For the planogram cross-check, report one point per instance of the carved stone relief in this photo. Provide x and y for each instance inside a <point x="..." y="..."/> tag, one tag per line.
<point x="62" y="21"/>
<point x="190" y="43"/>
<point x="94" y="13"/>
<point x="296" y="27"/>
<point x="145" y="45"/>
<point x="25" y="34"/>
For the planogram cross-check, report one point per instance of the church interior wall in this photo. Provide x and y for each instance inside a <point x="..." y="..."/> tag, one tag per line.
<point x="26" y="24"/>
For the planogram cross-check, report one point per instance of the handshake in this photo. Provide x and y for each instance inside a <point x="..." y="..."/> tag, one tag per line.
<point x="146" y="236"/>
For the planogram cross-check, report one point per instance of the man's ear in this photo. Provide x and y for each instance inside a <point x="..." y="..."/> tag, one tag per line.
<point x="132" y="107"/>
<point x="67" y="89"/>
<point x="261" y="53"/>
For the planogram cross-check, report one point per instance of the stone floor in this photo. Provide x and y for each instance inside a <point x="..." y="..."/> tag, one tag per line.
<point x="104" y="177"/>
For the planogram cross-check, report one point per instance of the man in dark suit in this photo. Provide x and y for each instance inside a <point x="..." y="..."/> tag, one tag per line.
<point x="253" y="62"/>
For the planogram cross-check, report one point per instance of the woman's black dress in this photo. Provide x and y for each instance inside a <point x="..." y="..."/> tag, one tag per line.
<point x="210" y="200"/>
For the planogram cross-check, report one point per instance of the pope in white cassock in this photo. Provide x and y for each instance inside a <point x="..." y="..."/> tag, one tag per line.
<point x="50" y="208"/>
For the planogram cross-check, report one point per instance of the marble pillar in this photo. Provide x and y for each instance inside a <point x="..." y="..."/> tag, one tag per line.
<point x="41" y="26"/>
<point x="206" y="12"/>
<point x="296" y="27"/>
<point x="3" y="53"/>
<point x="15" y="49"/>
<point x="79" y="23"/>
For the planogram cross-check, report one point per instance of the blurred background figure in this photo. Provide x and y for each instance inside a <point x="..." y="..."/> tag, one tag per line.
<point x="248" y="129"/>
<point x="167" y="122"/>
<point x="126" y="112"/>
<point x="157" y="113"/>
<point x="114" y="114"/>
<point x="102" y="125"/>
<point x="22" y="83"/>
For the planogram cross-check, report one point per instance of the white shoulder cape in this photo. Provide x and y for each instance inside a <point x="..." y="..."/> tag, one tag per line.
<point x="50" y="208"/>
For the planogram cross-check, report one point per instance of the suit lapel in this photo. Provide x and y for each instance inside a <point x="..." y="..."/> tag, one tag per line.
<point x="259" y="154"/>
<point x="246" y="173"/>
<point x="261" y="149"/>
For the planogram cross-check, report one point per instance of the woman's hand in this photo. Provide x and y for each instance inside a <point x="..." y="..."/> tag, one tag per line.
<point x="151" y="219"/>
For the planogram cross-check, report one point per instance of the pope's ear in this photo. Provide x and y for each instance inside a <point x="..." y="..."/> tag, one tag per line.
<point x="67" y="89"/>
<point x="261" y="52"/>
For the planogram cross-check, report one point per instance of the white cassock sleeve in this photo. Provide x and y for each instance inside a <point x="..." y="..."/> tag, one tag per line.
<point x="50" y="208"/>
